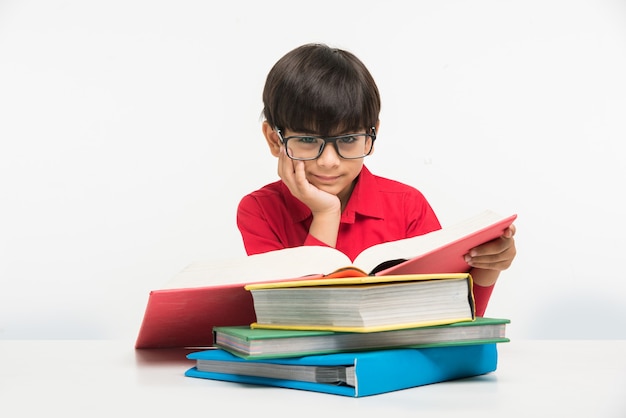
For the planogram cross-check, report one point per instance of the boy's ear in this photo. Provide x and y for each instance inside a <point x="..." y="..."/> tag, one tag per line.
<point x="273" y="141"/>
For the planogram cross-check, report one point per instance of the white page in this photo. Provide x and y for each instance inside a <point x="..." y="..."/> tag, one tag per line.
<point x="288" y="263"/>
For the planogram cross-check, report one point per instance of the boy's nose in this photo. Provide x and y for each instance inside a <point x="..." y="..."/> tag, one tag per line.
<point x="329" y="156"/>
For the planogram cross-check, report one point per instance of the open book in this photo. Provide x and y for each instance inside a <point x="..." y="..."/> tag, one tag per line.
<point x="211" y="293"/>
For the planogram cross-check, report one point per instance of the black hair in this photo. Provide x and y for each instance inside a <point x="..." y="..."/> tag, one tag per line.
<point x="321" y="90"/>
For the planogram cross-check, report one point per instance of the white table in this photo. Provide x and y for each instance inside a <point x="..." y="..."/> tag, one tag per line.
<point x="92" y="378"/>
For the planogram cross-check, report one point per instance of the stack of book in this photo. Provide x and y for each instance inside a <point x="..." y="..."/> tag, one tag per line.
<point x="398" y="320"/>
<point x="356" y="336"/>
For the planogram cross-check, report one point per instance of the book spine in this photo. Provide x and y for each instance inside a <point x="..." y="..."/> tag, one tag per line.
<point x="416" y="367"/>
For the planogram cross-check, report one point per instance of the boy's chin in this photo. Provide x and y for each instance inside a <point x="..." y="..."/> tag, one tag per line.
<point x="335" y="191"/>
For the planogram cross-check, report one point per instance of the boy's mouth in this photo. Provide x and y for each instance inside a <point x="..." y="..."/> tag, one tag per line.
<point x="326" y="179"/>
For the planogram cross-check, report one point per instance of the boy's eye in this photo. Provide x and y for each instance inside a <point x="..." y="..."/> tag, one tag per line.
<point x="308" y="140"/>
<point x="348" y="139"/>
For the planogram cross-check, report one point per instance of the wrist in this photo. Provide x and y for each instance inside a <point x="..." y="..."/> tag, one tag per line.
<point x="484" y="277"/>
<point x="325" y="226"/>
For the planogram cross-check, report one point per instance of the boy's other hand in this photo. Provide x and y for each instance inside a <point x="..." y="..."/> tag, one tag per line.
<point x="497" y="254"/>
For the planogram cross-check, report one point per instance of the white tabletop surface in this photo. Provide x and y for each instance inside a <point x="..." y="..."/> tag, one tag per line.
<point x="91" y="378"/>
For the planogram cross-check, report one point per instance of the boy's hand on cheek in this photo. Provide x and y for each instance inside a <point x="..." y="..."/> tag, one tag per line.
<point x="293" y="175"/>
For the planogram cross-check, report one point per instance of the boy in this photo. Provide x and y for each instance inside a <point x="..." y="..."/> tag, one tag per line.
<point x="321" y="119"/>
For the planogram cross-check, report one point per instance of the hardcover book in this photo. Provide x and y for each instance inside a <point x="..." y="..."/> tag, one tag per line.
<point x="251" y="343"/>
<point x="364" y="304"/>
<point x="350" y="374"/>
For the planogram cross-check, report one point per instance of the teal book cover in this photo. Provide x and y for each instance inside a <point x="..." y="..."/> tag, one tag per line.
<point x="374" y="372"/>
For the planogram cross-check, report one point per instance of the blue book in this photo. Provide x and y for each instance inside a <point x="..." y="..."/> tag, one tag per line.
<point x="354" y="374"/>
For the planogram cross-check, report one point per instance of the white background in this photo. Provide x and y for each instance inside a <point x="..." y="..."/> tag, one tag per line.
<point x="130" y="129"/>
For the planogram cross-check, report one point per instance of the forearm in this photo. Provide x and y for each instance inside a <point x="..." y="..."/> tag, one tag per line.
<point x="325" y="227"/>
<point x="484" y="277"/>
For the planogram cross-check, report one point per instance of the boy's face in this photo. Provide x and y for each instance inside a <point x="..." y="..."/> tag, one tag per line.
<point x="329" y="172"/>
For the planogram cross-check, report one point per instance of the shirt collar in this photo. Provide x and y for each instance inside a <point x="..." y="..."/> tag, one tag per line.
<point x="364" y="200"/>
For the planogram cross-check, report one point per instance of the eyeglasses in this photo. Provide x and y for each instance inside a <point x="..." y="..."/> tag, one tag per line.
<point x="310" y="147"/>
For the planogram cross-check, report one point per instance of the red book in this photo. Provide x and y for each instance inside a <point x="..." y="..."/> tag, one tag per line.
<point x="211" y="293"/>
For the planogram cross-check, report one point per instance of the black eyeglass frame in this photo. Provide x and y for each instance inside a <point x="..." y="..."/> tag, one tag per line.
<point x="331" y="139"/>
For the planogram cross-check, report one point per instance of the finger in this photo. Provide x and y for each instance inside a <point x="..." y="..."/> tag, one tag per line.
<point x="509" y="232"/>
<point x="293" y="175"/>
<point x="300" y="175"/>
<point x="493" y="261"/>
<point x="491" y="265"/>
<point x="496" y="246"/>
<point x="285" y="166"/>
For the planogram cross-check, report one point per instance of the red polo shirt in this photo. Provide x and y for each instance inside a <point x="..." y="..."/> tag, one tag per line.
<point x="379" y="210"/>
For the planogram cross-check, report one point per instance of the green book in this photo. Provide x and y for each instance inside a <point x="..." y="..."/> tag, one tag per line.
<point x="257" y="343"/>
